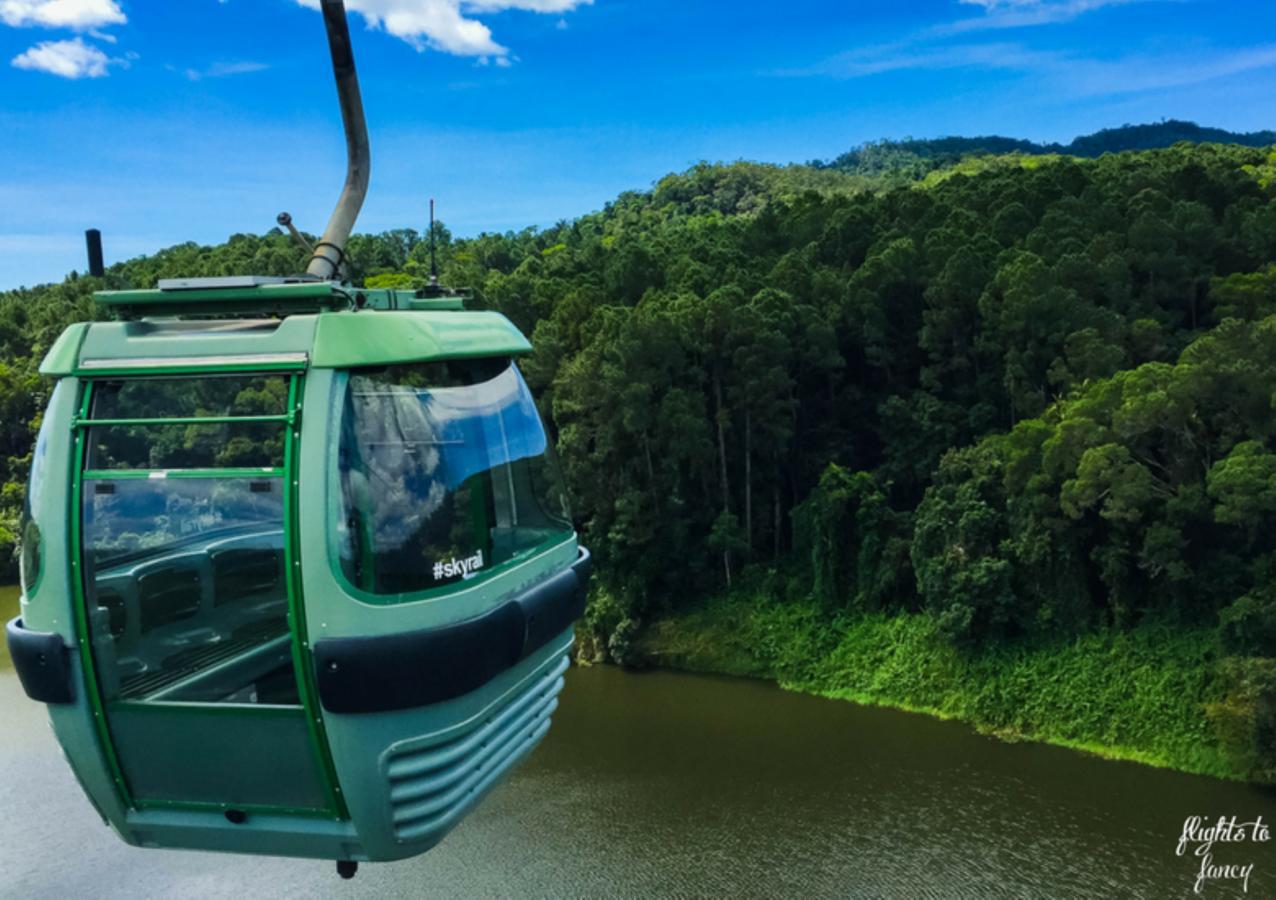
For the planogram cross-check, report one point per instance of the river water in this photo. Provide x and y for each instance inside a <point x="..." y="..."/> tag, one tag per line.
<point x="672" y="785"/>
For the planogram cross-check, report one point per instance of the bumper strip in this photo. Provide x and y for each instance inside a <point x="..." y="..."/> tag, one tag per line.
<point x="417" y="668"/>
<point x="43" y="663"/>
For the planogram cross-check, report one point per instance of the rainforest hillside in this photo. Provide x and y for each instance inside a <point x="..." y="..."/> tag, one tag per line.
<point x="1026" y="395"/>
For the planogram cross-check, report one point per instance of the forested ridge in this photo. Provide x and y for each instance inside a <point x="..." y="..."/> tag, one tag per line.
<point x="914" y="157"/>
<point x="1022" y="397"/>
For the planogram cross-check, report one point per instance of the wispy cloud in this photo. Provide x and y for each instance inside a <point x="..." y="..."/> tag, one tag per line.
<point x="1065" y="73"/>
<point x="67" y="59"/>
<point x="1003" y="14"/>
<point x="81" y="15"/>
<point x="225" y="70"/>
<point x="1140" y="73"/>
<point x="447" y="25"/>
<point x="876" y="60"/>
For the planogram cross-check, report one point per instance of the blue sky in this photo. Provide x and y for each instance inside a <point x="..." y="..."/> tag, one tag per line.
<point x="159" y="122"/>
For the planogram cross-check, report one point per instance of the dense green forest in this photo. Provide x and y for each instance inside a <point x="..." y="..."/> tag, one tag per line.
<point x="1021" y="397"/>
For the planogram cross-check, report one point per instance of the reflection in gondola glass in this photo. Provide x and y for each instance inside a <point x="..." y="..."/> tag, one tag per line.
<point x="445" y="473"/>
<point x="187" y="586"/>
<point x="159" y="442"/>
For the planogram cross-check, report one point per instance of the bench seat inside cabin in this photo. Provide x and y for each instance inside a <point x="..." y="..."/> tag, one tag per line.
<point x="207" y="623"/>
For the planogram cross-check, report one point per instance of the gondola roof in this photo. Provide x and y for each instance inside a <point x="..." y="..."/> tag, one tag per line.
<point x="264" y="325"/>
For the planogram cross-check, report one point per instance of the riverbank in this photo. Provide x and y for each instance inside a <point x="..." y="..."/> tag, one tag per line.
<point x="9" y="594"/>
<point x="1160" y="696"/>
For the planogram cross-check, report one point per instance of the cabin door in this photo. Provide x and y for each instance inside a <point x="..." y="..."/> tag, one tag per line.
<point x="190" y="585"/>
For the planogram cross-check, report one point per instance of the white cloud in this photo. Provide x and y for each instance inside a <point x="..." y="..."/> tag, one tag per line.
<point x="1064" y="73"/>
<point x="1136" y="74"/>
<point x="875" y="60"/>
<point x="225" y="70"/>
<point x="445" y="24"/>
<point x="68" y="59"/>
<point x="81" y="15"/>
<point x="1026" y="13"/>
<point x="1059" y="7"/>
<point x="1003" y="4"/>
<point x="539" y="6"/>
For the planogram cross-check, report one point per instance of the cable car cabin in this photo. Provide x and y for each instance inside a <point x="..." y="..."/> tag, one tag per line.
<point x="296" y="583"/>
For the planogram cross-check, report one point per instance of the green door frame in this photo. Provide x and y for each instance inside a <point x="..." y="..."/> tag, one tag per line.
<point x="300" y="647"/>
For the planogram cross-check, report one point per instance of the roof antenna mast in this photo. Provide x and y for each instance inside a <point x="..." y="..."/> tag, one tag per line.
<point x="434" y="263"/>
<point x="329" y="259"/>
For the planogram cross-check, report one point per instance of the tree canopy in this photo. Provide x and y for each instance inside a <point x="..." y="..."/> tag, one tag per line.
<point x="1025" y="392"/>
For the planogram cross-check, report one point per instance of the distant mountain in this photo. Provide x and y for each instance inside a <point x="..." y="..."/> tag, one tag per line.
<point x="914" y="158"/>
<point x="1160" y="134"/>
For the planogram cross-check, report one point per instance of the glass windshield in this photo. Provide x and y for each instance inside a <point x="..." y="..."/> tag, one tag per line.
<point x="445" y="474"/>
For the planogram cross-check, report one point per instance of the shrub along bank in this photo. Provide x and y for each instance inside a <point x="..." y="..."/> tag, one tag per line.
<point x="1158" y="695"/>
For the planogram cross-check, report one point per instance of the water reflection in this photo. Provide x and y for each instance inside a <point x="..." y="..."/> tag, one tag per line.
<point x="751" y="788"/>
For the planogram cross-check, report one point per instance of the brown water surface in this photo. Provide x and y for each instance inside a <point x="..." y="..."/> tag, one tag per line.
<point x="673" y="785"/>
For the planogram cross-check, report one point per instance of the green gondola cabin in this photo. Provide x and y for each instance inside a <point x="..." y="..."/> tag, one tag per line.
<point x="299" y="581"/>
<point x="298" y="573"/>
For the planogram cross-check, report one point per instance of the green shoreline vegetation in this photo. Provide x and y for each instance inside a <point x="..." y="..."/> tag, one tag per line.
<point x="9" y="595"/>
<point x="1136" y="695"/>
<point x="973" y="426"/>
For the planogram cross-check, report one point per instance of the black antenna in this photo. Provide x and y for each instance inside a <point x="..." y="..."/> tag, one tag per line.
<point x="93" y="241"/>
<point x="434" y="263"/>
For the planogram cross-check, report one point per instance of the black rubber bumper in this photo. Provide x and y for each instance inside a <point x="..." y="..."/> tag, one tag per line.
<point x="417" y="668"/>
<point x="43" y="663"/>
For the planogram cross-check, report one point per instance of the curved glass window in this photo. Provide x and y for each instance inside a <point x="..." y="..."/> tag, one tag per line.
<point x="445" y="474"/>
<point x="29" y="531"/>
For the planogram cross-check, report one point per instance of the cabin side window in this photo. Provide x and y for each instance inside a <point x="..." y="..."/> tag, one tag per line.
<point x="189" y="423"/>
<point x="183" y="529"/>
<point x="30" y="558"/>
<point x="445" y="475"/>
